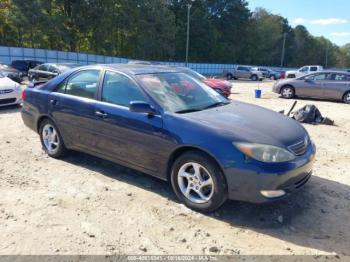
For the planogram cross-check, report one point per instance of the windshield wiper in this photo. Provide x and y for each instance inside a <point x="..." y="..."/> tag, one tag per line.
<point x="187" y="111"/>
<point x="216" y="105"/>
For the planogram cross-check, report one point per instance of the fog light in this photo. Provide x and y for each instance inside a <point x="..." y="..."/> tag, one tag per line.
<point x="272" y="193"/>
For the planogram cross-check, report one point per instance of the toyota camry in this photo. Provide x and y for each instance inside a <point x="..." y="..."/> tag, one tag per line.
<point x="167" y="124"/>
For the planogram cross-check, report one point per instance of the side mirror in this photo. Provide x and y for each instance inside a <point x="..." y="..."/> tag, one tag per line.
<point x="142" y="107"/>
<point x="307" y="80"/>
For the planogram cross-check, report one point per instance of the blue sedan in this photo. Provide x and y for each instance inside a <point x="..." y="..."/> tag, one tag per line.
<point x="169" y="125"/>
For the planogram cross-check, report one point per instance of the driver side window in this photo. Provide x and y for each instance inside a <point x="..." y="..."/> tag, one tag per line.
<point x="118" y="89"/>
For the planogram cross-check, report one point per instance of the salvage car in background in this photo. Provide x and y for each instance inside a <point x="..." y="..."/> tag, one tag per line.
<point x="305" y="70"/>
<point x="10" y="91"/>
<point x="48" y="71"/>
<point x="245" y="72"/>
<point x="11" y="73"/>
<point x="325" y="84"/>
<point x="268" y="73"/>
<point x="223" y="87"/>
<point x="146" y="117"/>
<point x="25" y="65"/>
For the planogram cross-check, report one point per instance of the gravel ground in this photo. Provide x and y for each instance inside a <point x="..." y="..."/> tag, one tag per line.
<point x="84" y="205"/>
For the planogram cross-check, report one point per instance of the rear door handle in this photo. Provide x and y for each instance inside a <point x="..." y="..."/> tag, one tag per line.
<point x="101" y="114"/>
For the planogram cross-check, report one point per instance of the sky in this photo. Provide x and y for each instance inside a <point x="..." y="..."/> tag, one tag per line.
<point x="328" y="18"/>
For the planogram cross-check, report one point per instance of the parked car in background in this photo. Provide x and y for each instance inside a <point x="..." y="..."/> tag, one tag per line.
<point x="10" y="91"/>
<point x="268" y="73"/>
<point x="223" y="87"/>
<point x="11" y="73"/>
<point x="303" y="71"/>
<point x="24" y="65"/>
<point x="48" y="71"/>
<point x="325" y="84"/>
<point x="165" y="123"/>
<point x="245" y="72"/>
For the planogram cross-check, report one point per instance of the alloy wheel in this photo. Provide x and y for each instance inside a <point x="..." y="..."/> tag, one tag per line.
<point x="50" y="138"/>
<point x="195" y="183"/>
<point x="287" y="92"/>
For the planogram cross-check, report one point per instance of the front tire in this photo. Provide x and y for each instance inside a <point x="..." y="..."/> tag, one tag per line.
<point x="287" y="92"/>
<point x="346" y="97"/>
<point x="51" y="139"/>
<point x="198" y="182"/>
<point x="229" y="77"/>
<point x="254" y="78"/>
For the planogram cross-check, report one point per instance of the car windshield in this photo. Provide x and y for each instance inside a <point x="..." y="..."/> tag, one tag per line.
<point x="194" y="74"/>
<point x="181" y="93"/>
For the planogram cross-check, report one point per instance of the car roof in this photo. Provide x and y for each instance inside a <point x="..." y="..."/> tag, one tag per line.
<point x="331" y="71"/>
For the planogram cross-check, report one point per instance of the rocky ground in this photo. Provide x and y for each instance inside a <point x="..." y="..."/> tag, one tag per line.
<point x="84" y="205"/>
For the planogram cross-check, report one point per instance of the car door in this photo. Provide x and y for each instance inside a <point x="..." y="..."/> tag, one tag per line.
<point x="312" y="85"/>
<point x="130" y="137"/>
<point x="72" y="107"/>
<point x="336" y="85"/>
<point x="240" y="72"/>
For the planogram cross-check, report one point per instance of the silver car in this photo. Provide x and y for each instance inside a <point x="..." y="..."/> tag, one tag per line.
<point x="325" y="84"/>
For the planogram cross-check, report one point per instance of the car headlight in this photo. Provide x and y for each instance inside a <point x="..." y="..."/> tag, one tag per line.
<point x="265" y="153"/>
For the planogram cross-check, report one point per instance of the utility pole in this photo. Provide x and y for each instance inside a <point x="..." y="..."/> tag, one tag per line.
<point x="283" y="48"/>
<point x="188" y="31"/>
<point x="326" y="63"/>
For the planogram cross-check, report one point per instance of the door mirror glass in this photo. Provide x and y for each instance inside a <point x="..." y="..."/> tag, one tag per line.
<point x="141" y="107"/>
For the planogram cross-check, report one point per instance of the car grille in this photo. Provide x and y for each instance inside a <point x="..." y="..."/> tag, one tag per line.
<point x="6" y="91"/>
<point x="300" y="147"/>
<point x="7" y="101"/>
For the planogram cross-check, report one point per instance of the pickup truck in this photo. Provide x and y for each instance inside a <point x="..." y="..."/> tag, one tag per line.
<point x="246" y="72"/>
<point x="303" y="71"/>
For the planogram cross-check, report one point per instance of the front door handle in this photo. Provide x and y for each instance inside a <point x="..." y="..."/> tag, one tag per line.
<point x="101" y="114"/>
<point x="53" y="102"/>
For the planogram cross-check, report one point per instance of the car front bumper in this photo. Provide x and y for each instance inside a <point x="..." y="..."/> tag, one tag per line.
<point x="247" y="184"/>
<point x="11" y="98"/>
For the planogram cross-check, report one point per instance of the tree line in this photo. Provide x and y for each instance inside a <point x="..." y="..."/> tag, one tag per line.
<point x="221" y="31"/>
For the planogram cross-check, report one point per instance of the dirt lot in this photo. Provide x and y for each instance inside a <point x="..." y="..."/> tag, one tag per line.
<point x="84" y="205"/>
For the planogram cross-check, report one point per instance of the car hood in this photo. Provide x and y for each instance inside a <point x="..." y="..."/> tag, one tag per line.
<point x="217" y="82"/>
<point x="244" y="122"/>
<point x="6" y="83"/>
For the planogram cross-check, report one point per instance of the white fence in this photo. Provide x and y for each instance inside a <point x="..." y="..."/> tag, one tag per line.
<point x="8" y="54"/>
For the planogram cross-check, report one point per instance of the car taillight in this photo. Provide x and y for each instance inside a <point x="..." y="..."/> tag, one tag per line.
<point x="283" y="75"/>
<point x="23" y="95"/>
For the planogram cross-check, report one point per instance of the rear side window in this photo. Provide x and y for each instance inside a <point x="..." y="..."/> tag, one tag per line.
<point x="242" y="68"/>
<point x="118" y="89"/>
<point x="82" y="84"/>
<point x="340" y="77"/>
<point x="313" y="68"/>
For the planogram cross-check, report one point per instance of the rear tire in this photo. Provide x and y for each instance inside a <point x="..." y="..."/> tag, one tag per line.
<point x="51" y="139"/>
<point x="198" y="182"/>
<point x="229" y="77"/>
<point x="346" y="98"/>
<point x="287" y="92"/>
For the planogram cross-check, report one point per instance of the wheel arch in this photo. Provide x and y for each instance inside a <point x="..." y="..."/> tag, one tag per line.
<point x="187" y="148"/>
<point x="41" y="119"/>
<point x="287" y="85"/>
